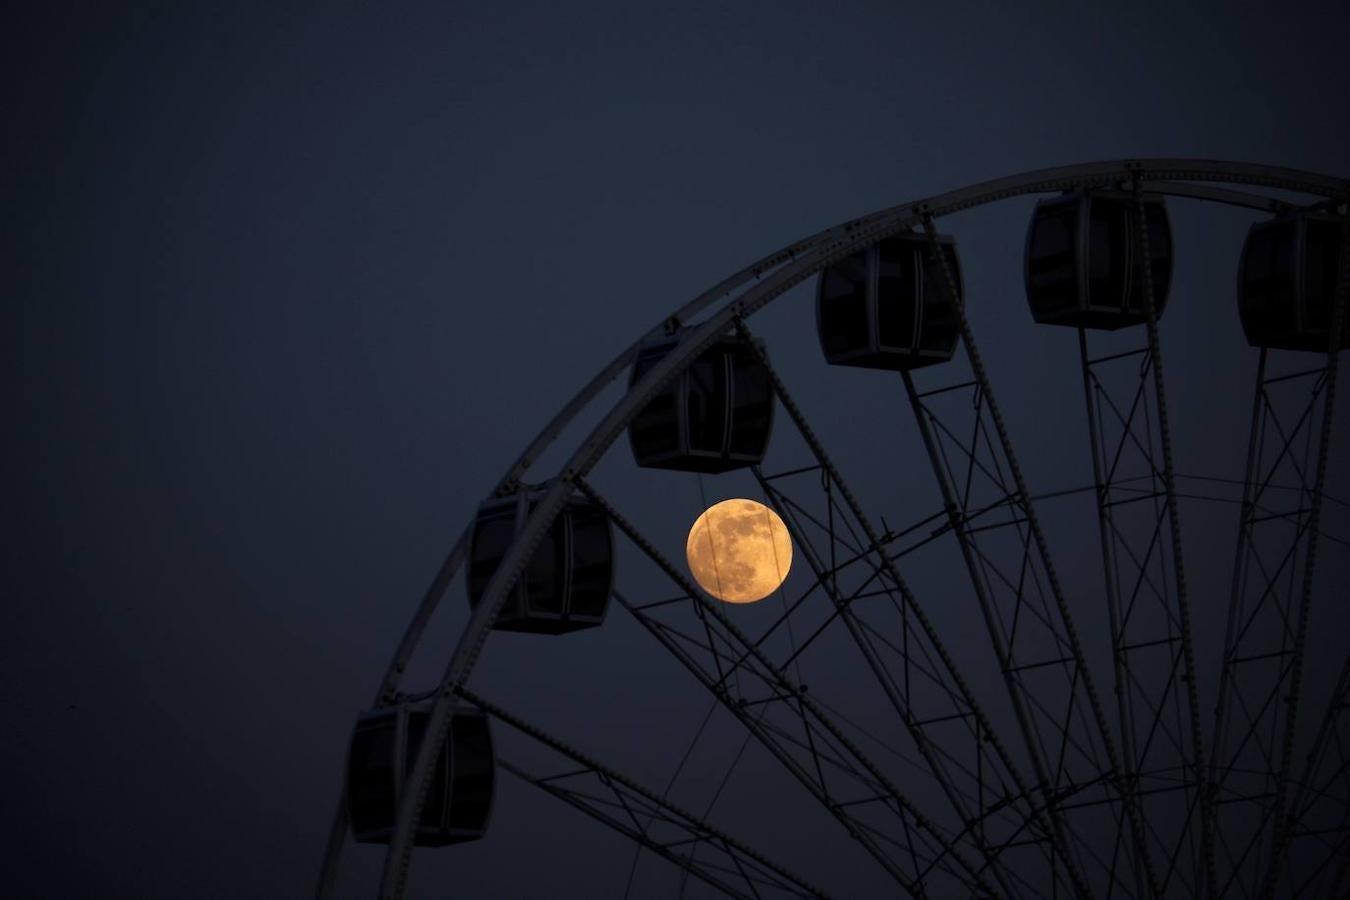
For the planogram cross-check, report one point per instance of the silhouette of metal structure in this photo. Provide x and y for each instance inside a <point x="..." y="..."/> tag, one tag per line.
<point x="1072" y="795"/>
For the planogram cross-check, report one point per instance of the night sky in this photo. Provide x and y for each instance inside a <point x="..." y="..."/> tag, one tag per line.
<point x="285" y="292"/>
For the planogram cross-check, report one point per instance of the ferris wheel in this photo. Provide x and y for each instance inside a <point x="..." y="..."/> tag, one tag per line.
<point x="1020" y="690"/>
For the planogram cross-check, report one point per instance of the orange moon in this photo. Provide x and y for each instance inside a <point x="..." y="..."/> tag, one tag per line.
<point x="739" y="551"/>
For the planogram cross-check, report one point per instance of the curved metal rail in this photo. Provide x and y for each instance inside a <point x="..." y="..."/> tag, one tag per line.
<point x="742" y="294"/>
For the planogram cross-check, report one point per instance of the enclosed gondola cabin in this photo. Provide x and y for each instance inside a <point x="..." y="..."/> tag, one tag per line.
<point x="889" y="306"/>
<point x="1287" y="282"/>
<point x="1082" y="260"/>
<point x="567" y="582"/>
<point x="380" y="759"/>
<point x="713" y="417"/>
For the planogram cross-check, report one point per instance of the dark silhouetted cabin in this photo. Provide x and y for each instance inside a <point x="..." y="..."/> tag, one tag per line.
<point x="1083" y="260"/>
<point x="1287" y="282"/>
<point x="714" y="416"/>
<point x="567" y="583"/>
<point x="380" y="759"/>
<point x="889" y="306"/>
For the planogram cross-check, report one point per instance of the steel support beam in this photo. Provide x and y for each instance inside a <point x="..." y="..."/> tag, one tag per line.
<point x="1267" y="625"/>
<point x="1286" y="820"/>
<point x="964" y="705"/>
<point x="1024" y="648"/>
<point x="755" y="869"/>
<point x="751" y="660"/>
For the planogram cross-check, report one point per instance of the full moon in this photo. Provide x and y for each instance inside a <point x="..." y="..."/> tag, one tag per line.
<point x="739" y="551"/>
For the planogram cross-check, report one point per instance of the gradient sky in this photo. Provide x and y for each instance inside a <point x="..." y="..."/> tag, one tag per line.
<point x="285" y="291"/>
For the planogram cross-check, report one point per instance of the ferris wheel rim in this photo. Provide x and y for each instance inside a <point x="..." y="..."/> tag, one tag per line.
<point x="1163" y="170"/>
<point x="762" y="282"/>
<point x="865" y="231"/>
<point x="1046" y="180"/>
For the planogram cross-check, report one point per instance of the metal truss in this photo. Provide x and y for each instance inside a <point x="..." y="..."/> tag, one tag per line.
<point x="1013" y="578"/>
<point x="957" y="750"/>
<point x="1257" y="711"/>
<point x="1313" y="854"/>
<point x="811" y="744"/>
<point x="918" y="675"/>
<point x="1192" y="762"/>
<point x="1140" y="569"/>
<point x="1145" y="588"/>
<point x="648" y="818"/>
<point x="996" y="823"/>
<point x="1263" y="620"/>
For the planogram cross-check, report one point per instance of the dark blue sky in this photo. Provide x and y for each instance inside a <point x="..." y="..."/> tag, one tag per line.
<point x="285" y="291"/>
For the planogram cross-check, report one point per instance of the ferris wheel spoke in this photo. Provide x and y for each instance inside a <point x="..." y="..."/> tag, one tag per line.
<point x="1268" y="614"/>
<point x="817" y="728"/>
<point x="1015" y="580"/>
<point x="865" y="632"/>
<point x="957" y="703"/>
<point x="963" y="468"/>
<point x="1283" y="824"/>
<point x="1143" y="578"/>
<point x="800" y="744"/>
<point x="1335" y="875"/>
<point x="875" y="585"/>
<point x="1186" y="704"/>
<point x="650" y="819"/>
<point x="1317" y="829"/>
